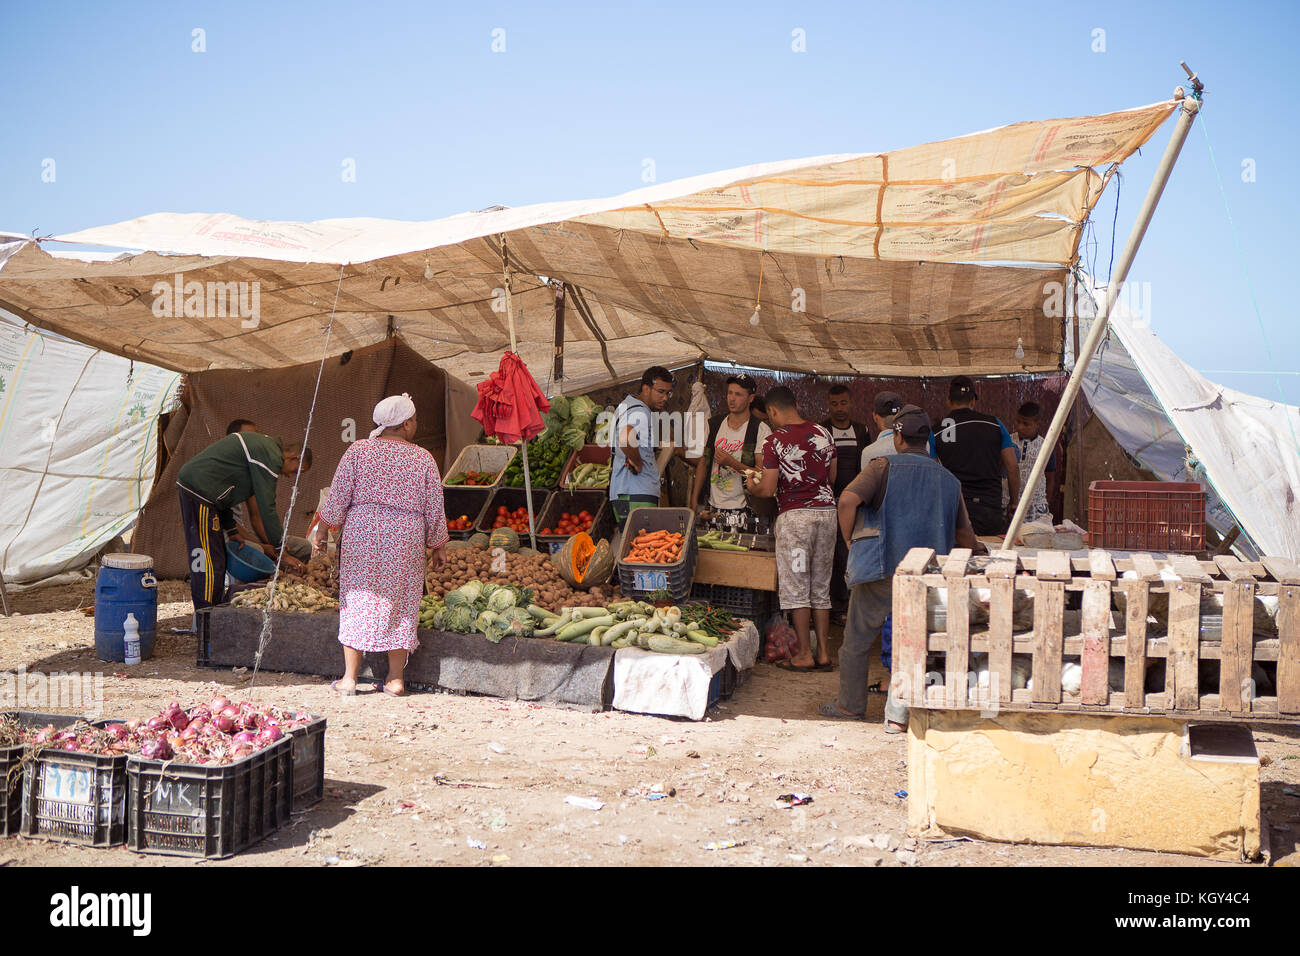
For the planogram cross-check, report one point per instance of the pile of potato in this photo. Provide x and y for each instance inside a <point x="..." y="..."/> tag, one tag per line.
<point x="289" y="596"/>
<point x="465" y="564"/>
<point x="322" y="574"/>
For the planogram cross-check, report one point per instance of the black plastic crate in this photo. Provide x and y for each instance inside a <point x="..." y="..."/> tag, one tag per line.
<point x="209" y="811"/>
<point x="749" y="603"/>
<point x="71" y="797"/>
<point x="308" y="764"/>
<point x="594" y="502"/>
<point x="470" y="502"/>
<point x="512" y="498"/>
<point x="638" y="581"/>
<point x="11" y="766"/>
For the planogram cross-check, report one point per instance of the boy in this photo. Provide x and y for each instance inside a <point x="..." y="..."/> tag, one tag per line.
<point x="1029" y="445"/>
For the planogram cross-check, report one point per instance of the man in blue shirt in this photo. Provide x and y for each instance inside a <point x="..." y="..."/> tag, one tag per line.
<point x="977" y="448"/>
<point x="634" y="481"/>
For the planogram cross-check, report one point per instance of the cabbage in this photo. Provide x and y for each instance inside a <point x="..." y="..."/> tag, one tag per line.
<point x="484" y="621"/>
<point x="583" y="411"/>
<point x="440" y="618"/>
<point x="488" y="590"/>
<point x="573" y="436"/>
<point x="560" y="407"/>
<point x="456" y="599"/>
<point x="517" y="622"/>
<point x="471" y="592"/>
<point x="459" y="619"/>
<point x="501" y="599"/>
<point x="495" y="632"/>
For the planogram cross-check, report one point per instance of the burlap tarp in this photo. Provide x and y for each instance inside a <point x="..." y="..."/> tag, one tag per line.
<point x="884" y="263"/>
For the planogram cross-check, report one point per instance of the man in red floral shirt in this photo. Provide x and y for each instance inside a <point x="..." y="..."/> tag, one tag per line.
<point x="799" y="468"/>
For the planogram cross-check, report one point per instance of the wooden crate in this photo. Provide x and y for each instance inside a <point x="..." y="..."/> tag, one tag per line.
<point x="1100" y="635"/>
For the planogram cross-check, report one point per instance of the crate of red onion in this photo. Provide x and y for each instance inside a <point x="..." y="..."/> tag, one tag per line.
<point x="13" y="724"/>
<point x="217" y="780"/>
<point x="74" y="783"/>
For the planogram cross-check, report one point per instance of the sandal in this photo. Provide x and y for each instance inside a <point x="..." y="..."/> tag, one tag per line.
<point x="787" y="666"/>
<point x="832" y="709"/>
<point x="874" y="688"/>
<point x="394" y="693"/>
<point x="343" y="691"/>
<point x="828" y="666"/>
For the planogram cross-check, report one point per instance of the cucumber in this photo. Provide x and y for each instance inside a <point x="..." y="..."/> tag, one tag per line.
<point x="699" y="637"/>
<point x="671" y="645"/>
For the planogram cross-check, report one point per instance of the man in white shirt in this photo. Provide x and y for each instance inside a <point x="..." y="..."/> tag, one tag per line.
<point x="883" y="410"/>
<point x="734" y="442"/>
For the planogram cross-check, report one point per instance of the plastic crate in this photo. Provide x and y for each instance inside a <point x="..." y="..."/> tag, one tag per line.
<point x="637" y="581"/>
<point x="470" y="502"/>
<point x="71" y="797"/>
<point x="1164" y="516"/>
<point x="11" y="766"/>
<point x="209" y="811"/>
<point x="749" y="603"/>
<point x="600" y="454"/>
<point x="596" y="502"/>
<point x="492" y="458"/>
<point x="512" y="498"/>
<point x="308" y="764"/>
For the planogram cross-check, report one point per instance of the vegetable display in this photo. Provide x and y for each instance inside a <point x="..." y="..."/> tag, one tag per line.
<point x="219" y="732"/>
<point x="589" y="475"/>
<point x="463" y="523"/>
<point x="495" y="610"/>
<point x="655" y="547"/>
<point x="721" y="541"/>
<point x="478" y="478"/>
<point x="547" y="456"/>
<point x="670" y="630"/>
<point x="465" y="563"/>
<point x="571" y="523"/>
<point x="300" y="598"/>
<point x="516" y="520"/>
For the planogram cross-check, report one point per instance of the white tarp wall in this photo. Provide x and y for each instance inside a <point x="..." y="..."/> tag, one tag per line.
<point x="1242" y="448"/>
<point x="78" y="447"/>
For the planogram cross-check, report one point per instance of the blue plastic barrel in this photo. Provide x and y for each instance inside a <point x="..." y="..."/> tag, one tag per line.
<point x="125" y="585"/>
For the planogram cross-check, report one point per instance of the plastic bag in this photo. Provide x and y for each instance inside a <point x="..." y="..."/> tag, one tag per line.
<point x="780" y="639"/>
<point x="696" y="422"/>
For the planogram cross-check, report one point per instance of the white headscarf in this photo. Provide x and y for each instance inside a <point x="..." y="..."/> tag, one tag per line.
<point x="392" y="411"/>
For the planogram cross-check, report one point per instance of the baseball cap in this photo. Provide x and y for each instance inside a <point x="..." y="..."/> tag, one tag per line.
<point x="962" y="387"/>
<point x="912" y="423"/>
<point x="745" y="382"/>
<point x="887" y="403"/>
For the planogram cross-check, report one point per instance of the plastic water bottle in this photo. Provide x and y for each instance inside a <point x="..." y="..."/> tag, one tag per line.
<point x="131" y="640"/>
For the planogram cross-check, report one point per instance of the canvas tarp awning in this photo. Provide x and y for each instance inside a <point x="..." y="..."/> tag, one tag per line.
<point x="886" y="263"/>
<point x="1163" y="413"/>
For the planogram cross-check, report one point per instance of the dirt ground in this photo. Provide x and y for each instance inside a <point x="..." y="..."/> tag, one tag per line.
<point x="474" y="781"/>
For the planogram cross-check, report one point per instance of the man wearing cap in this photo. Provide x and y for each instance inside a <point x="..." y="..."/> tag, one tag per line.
<point x="733" y="443"/>
<point x="977" y="448"/>
<point x="883" y="410"/>
<point x="899" y="502"/>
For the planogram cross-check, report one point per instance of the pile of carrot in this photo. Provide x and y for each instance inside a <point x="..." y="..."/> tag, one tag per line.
<point x="655" y="547"/>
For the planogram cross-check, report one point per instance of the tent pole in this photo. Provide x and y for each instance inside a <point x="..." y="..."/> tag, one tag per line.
<point x="1077" y="410"/>
<point x="557" y="367"/>
<point x="4" y="595"/>
<point x="523" y="443"/>
<point x="1187" y="113"/>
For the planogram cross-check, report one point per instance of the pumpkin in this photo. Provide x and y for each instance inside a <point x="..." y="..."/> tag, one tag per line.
<point x="583" y="563"/>
<point x="526" y="552"/>
<point x="479" y="541"/>
<point x="600" y="566"/>
<point x="506" y="538"/>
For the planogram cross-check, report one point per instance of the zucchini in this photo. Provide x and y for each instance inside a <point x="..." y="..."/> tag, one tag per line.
<point x="671" y="645"/>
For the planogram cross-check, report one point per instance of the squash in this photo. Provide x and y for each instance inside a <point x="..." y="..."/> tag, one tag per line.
<point x="582" y="563"/>
<point x="600" y="566"/>
<point x="506" y="538"/>
<point x="526" y="552"/>
<point x="479" y="541"/>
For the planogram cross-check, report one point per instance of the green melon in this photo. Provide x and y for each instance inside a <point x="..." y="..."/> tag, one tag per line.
<point x="506" y="538"/>
<point x="479" y="541"/>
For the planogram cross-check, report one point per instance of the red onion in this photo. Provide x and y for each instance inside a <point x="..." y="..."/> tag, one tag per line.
<point x="156" y="750"/>
<point x="219" y="704"/>
<point x="118" y="731"/>
<point x="191" y="732"/>
<point x="224" y="723"/>
<point x="70" y="745"/>
<point x="200" y="713"/>
<point x="231" y="711"/>
<point x="272" y="730"/>
<point x="245" y="737"/>
<point x="132" y="726"/>
<point x="158" y="723"/>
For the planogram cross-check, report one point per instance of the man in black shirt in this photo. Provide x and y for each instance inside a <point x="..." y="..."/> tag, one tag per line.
<point x="850" y="438"/>
<point x="977" y="448"/>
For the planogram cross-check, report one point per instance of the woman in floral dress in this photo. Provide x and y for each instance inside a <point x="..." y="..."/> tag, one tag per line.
<point x="386" y="497"/>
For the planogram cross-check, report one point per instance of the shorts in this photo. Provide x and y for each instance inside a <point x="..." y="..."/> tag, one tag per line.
<point x="624" y="505"/>
<point x="805" y="557"/>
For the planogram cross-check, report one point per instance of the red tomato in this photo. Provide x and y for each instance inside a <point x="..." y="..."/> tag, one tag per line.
<point x="503" y="510"/>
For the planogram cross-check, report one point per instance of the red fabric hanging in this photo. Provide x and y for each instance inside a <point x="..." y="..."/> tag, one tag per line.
<point x="510" y="404"/>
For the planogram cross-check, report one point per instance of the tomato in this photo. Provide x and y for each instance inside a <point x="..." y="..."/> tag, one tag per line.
<point x="503" y="510"/>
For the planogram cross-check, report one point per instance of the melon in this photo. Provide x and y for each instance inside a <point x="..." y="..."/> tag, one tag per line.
<point x="526" y="552"/>
<point x="479" y="541"/>
<point x="506" y="538"/>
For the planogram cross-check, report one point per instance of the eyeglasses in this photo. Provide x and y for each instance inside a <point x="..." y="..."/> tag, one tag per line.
<point x="665" y="392"/>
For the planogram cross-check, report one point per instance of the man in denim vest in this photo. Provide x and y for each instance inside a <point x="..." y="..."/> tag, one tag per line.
<point x="897" y="503"/>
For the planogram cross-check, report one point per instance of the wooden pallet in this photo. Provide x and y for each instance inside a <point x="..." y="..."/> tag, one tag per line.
<point x="1050" y="576"/>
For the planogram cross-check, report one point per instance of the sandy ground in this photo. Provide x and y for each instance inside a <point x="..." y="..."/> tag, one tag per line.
<point x="441" y="778"/>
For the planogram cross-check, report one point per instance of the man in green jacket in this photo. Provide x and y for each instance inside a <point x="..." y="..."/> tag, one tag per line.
<point x="226" y="473"/>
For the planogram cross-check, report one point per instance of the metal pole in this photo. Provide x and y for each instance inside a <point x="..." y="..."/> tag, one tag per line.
<point x="4" y="595"/>
<point x="523" y="443"/>
<point x="557" y="373"/>
<point x="1189" y="109"/>
<point x="1080" y="512"/>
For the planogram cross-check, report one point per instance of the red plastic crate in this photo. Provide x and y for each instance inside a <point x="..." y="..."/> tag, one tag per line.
<point x="1147" y="516"/>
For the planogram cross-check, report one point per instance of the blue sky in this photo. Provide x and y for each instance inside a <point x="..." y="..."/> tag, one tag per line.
<point x="437" y="123"/>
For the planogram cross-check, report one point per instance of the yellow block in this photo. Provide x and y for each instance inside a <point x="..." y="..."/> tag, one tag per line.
<point x="1082" y="780"/>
